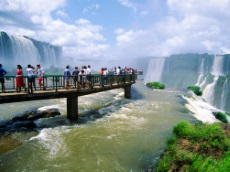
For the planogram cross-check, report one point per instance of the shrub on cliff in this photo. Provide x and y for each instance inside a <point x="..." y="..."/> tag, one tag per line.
<point x="220" y="116"/>
<point x="199" y="147"/>
<point x="156" y="85"/>
<point x="196" y="90"/>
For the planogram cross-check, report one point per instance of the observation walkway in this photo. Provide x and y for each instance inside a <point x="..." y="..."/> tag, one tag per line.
<point x="54" y="87"/>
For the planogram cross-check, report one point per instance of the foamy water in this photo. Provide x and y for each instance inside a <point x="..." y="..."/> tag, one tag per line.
<point x="112" y="134"/>
<point x="201" y="110"/>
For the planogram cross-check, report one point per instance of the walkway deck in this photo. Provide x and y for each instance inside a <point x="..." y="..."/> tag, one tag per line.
<point x="55" y="88"/>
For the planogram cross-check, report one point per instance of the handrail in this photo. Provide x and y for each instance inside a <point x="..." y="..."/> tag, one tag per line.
<point x="57" y="82"/>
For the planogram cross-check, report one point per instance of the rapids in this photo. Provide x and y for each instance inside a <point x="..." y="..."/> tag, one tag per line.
<point x="112" y="134"/>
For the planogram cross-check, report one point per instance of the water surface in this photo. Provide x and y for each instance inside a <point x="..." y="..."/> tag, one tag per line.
<point x="113" y="133"/>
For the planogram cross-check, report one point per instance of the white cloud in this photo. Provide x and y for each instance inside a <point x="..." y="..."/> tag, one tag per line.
<point x="91" y="8"/>
<point x="128" y="3"/>
<point x="62" y="14"/>
<point x="78" y="40"/>
<point x="35" y="6"/>
<point x="192" y="26"/>
<point x="186" y="27"/>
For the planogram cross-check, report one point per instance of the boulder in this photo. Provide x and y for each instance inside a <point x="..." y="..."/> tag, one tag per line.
<point x="36" y="114"/>
<point x="26" y="119"/>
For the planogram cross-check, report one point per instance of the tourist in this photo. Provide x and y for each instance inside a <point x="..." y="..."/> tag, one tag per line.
<point x="19" y="78"/>
<point x="88" y="76"/>
<point x="82" y="78"/>
<point x="40" y="72"/>
<point x="3" y="72"/>
<point x="31" y="79"/>
<point x="105" y="74"/>
<point x="67" y="77"/>
<point x="102" y="77"/>
<point x="118" y="70"/>
<point x="75" y="73"/>
<point x="115" y="71"/>
<point x="88" y="70"/>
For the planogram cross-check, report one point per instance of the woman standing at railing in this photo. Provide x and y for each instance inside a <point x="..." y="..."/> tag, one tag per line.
<point x="19" y="78"/>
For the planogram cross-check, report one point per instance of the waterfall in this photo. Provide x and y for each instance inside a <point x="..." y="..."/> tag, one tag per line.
<point x="201" y="73"/>
<point x="208" y="92"/>
<point x="224" y="94"/>
<point x="155" y="69"/>
<point x="24" y="50"/>
<point x="217" y="68"/>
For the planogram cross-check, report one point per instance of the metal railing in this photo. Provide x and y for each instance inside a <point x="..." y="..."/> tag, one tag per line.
<point x="57" y="82"/>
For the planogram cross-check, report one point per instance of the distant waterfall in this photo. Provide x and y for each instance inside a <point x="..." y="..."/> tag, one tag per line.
<point x="201" y="73"/>
<point x="155" y="69"/>
<point x="217" y="68"/>
<point x="224" y="94"/>
<point x="210" y="72"/>
<point x="23" y="50"/>
<point x="208" y="92"/>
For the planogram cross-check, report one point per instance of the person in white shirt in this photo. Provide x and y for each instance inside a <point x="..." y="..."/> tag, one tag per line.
<point x="88" y="76"/>
<point x="118" y="70"/>
<point x="40" y="72"/>
<point x="105" y="73"/>
<point x="30" y="73"/>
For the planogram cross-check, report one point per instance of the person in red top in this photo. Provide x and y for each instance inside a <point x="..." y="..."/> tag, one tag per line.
<point x="19" y="78"/>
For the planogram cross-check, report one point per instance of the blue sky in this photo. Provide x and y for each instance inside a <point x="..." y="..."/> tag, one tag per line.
<point x="121" y="29"/>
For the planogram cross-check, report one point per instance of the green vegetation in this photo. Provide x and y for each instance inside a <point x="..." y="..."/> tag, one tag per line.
<point x="156" y="85"/>
<point x="220" y="116"/>
<point x="199" y="147"/>
<point x="196" y="90"/>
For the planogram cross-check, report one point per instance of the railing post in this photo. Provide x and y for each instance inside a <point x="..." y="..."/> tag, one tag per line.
<point x="72" y="107"/>
<point x="56" y="83"/>
<point x="102" y="80"/>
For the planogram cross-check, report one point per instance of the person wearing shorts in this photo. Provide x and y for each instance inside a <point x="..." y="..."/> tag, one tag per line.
<point x="40" y="72"/>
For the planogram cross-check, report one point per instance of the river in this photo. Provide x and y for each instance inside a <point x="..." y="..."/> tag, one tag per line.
<point x="112" y="134"/>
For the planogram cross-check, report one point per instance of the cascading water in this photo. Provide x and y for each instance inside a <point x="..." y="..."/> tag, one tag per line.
<point x="155" y="69"/>
<point x="201" y="72"/>
<point x="23" y="50"/>
<point x="209" y="72"/>
<point x="224" y="94"/>
<point x="217" y="66"/>
<point x="208" y="92"/>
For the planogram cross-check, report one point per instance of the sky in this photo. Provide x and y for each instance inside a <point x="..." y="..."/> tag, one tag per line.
<point x="121" y="29"/>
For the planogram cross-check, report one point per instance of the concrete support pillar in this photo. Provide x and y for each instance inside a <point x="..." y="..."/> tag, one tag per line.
<point x="127" y="91"/>
<point x="72" y="107"/>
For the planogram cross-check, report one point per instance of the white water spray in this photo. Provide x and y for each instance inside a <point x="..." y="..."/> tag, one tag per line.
<point x="201" y="72"/>
<point x="23" y="50"/>
<point x="224" y="94"/>
<point x="155" y="69"/>
<point x="208" y="92"/>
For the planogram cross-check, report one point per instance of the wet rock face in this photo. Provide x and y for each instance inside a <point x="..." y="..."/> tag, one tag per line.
<point x="26" y="120"/>
<point x="36" y="114"/>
